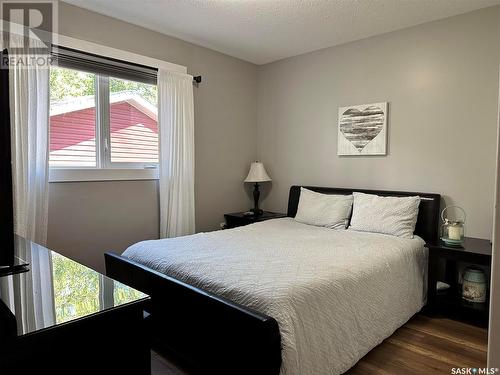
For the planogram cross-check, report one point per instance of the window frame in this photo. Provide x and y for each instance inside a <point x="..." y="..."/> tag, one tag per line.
<point x="62" y="174"/>
<point x="104" y="169"/>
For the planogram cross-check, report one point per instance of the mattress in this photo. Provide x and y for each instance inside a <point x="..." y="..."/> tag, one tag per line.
<point x="335" y="294"/>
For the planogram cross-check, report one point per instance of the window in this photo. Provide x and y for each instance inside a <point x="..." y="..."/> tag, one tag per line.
<point x="72" y="119"/>
<point x="133" y="122"/>
<point x="101" y="115"/>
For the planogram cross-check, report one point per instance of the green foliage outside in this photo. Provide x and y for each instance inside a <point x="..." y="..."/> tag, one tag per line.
<point x="77" y="290"/>
<point x="69" y="83"/>
<point x="144" y="90"/>
<point x="123" y="294"/>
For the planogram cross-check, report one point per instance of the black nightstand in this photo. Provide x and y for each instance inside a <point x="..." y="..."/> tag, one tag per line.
<point x="444" y="264"/>
<point x="237" y="219"/>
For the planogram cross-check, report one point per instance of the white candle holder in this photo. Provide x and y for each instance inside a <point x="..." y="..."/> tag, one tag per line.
<point x="453" y="230"/>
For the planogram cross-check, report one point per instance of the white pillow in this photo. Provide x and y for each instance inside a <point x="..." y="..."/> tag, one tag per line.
<point x="396" y="216"/>
<point x="323" y="210"/>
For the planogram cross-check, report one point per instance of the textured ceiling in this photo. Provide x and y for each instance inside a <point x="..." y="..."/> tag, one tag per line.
<point x="262" y="31"/>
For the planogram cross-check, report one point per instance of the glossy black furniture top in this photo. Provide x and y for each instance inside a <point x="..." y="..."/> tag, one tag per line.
<point x="237" y="219"/>
<point x="57" y="290"/>
<point x="471" y="246"/>
<point x="266" y="215"/>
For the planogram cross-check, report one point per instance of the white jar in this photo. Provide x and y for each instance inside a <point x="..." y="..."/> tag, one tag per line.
<point x="474" y="285"/>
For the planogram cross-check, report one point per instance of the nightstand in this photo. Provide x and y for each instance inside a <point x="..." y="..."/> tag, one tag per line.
<point x="445" y="264"/>
<point x="237" y="219"/>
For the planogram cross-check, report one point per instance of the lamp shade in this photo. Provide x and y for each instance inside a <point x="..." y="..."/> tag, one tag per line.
<point x="257" y="173"/>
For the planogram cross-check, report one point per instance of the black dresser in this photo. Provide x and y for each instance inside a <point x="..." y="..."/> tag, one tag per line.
<point x="61" y="317"/>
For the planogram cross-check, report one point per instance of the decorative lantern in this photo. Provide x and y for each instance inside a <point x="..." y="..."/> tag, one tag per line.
<point x="474" y="285"/>
<point x="453" y="229"/>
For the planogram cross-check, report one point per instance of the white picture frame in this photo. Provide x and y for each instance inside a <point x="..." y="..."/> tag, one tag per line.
<point x="362" y="130"/>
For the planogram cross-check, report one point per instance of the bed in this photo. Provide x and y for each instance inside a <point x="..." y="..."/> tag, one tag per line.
<point x="281" y="296"/>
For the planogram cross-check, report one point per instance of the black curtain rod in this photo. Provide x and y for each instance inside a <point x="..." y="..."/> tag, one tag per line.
<point x="196" y="79"/>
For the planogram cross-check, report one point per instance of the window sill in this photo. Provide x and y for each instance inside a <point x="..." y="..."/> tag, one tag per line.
<point x="95" y="174"/>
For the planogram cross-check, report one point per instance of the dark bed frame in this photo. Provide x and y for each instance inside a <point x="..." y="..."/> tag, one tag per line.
<point x="212" y="334"/>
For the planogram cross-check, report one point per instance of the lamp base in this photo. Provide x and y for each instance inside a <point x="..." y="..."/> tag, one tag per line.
<point x="257" y="211"/>
<point x="256" y="194"/>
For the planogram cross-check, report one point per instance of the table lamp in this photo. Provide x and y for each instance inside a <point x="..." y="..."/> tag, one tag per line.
<point x="257" y="174"/>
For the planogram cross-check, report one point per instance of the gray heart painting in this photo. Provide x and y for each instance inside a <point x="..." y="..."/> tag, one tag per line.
<point x="362" y="129"/>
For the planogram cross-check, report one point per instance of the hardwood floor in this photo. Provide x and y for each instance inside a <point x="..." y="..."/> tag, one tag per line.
<point x="422" y="346"/>
<point x="427" y="346"/>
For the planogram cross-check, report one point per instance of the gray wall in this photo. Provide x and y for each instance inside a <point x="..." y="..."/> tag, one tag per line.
<point x="441" y="82"/>
<point x="88" y="218"/>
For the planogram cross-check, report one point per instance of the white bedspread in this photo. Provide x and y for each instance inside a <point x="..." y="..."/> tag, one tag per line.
<point x="336" y="294"/>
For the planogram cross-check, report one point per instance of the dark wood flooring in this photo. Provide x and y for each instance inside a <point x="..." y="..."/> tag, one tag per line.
<point x="427" y="346"/>
<point x="422" y="346"/>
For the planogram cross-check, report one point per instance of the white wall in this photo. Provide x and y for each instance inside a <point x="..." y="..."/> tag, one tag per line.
<point x="86" y="219"/>
<point x="494" y="327"/>
<point x="441" y="82"/>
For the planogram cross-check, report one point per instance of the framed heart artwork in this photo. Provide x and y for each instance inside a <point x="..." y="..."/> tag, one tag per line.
<point x="363" y="129"/>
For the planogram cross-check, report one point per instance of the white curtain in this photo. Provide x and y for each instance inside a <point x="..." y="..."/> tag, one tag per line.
<point x="176" y="134"/>
<point x="29" y="108"/>
<point x="29" y="293"/>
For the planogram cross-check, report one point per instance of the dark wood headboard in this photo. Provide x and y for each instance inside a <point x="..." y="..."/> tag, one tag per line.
<point x="428" y="213"/>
